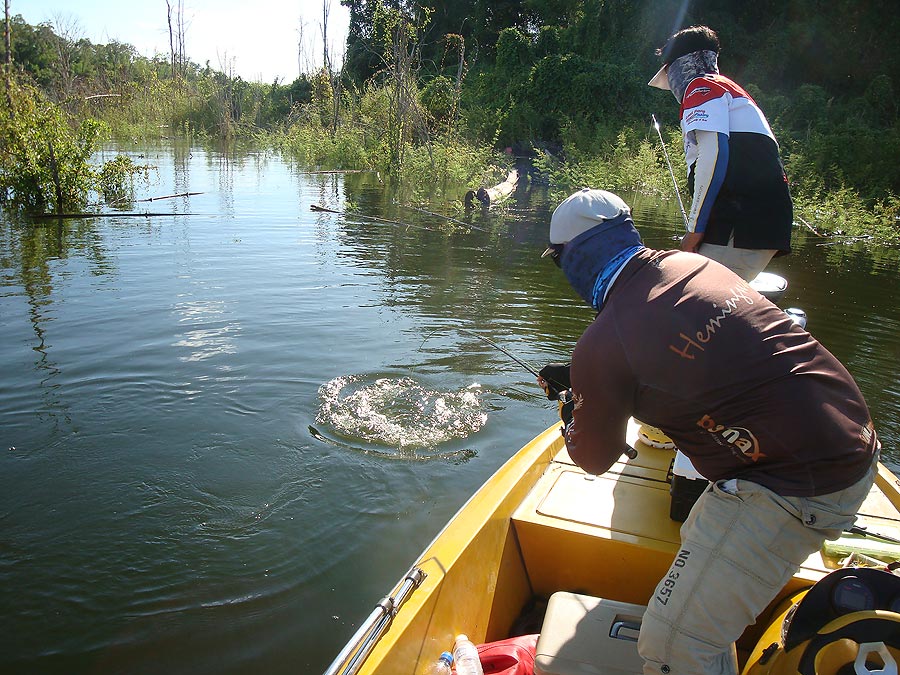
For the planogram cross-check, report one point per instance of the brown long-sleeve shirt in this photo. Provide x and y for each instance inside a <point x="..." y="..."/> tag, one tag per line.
<point x="685" y="345"/>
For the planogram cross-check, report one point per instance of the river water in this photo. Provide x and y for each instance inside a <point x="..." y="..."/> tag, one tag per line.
<point x="226" y="433"/>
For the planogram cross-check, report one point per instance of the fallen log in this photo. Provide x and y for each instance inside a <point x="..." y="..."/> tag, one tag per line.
<point x="493" y="195"/>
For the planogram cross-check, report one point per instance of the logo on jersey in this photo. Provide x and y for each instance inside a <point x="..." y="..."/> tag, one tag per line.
<point x="696" y="115"/>
<point x="697" y="90"/>
<point x="691" y="344"/>
<point x="741" y="441"/>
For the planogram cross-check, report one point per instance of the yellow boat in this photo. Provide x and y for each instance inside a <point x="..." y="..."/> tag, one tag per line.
<point x="593" y="548"/>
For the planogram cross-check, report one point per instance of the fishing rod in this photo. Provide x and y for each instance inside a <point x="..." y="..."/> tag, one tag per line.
<point x="671" y="173"/>
<point x="515" y="358"/>
<point x="630" y="452"/>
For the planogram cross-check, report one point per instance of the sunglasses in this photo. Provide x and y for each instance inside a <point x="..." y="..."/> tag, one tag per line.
<point x="554" y="252"/>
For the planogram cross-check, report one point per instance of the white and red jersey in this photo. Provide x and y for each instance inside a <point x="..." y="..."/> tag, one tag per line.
<point x="752" y="200"/>
<point x="715" y="103"/>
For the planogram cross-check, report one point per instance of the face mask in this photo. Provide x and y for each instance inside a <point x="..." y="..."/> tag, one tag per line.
<point x="593" y="255"/>
<point x="688" y="67"/>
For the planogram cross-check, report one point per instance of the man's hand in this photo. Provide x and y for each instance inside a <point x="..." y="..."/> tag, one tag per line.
<point x="691" y="242"/>
<point x="566" y="407"/>
<point x="554" y="380"/>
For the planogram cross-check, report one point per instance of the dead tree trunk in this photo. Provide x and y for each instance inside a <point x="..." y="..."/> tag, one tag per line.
<point x="7" y="40"/>
<point x="171" y="36"/>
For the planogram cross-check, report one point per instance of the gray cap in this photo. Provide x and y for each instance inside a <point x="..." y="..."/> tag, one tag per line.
<point x="583" y="210"/>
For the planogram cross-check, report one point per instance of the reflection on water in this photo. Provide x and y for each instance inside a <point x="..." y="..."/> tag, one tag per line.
<point x="209" y="335"/>
<point x="190" y="481"/>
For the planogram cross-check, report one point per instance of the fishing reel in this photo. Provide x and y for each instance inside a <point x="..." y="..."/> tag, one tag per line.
<point x="847" y="624"/>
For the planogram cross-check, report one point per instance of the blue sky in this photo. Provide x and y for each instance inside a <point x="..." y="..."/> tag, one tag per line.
<point x="256" y="39"/>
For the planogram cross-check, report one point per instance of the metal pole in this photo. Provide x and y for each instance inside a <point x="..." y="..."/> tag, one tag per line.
<point x="357" y="650"/>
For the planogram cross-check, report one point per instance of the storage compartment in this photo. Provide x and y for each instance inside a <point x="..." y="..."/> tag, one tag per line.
<point x="584" y="635"/>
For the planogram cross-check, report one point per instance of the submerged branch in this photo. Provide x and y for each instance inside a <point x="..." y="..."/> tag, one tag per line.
<point x="325" y="209"/>
<point x="810" y="227"/>
<point x="448" y="218"/>
<point x="44" y="216"/>
<point x="182" y="194"/>
<point x="314" y="173"/>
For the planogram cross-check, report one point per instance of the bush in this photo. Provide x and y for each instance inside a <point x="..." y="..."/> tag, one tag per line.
<point x="44" y="161"/>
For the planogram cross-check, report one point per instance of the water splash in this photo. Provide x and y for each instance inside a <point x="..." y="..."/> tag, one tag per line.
<point x="398" y="412"/>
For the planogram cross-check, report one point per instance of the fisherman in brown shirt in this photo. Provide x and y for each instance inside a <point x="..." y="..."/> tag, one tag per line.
<point x="757" y="404"/>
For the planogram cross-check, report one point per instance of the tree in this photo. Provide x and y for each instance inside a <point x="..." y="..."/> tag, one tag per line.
<point x="334" y="77"/>
<point x="43" y="160"/>
<point x="66" y="33"/>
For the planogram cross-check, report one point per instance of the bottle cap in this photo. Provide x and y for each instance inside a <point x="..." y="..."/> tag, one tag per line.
<point x="446" y="656"/>
<point x="461" y="636"/>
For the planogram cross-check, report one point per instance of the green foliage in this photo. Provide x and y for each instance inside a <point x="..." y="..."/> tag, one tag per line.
<point x="43" y="160"/>
<point x="631" y="160"/>
<point x="310" y="145"/>
<point x="513" y="53"/>
<point x="115" y="180"/>
<point x="563" y="74"/>
<point x="842" y="212"/>
<point x="446" y="164"/>
<point x="438" y="98"/>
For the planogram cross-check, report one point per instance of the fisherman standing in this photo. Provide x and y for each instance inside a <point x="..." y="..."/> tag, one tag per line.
<point x="760" y="407"/>
<point x="741" y="213"/>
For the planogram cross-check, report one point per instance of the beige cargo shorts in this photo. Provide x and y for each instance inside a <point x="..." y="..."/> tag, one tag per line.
<point x="745" y="262"/>
<point x="740" y="545"/>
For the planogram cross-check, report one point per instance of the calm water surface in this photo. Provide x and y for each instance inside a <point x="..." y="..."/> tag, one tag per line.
<point x="225" y="434"/>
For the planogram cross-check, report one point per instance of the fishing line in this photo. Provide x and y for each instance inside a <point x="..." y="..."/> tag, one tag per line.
<point x="671" y="173"/>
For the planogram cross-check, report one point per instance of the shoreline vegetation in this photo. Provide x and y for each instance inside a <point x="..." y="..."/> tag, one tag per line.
<point x="432" y="110"/>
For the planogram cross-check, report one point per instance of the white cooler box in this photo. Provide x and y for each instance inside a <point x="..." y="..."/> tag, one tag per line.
<point x="584" y="635"/>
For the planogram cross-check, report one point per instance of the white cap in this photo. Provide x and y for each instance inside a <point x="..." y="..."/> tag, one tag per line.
<point x="661" y="79"/>
<point x="583" y="210"/>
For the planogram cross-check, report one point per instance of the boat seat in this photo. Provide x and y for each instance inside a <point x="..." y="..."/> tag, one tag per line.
<point x="582" y="634"/>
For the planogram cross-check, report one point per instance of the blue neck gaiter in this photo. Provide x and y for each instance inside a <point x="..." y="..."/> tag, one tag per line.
<point x="591" y="259"/>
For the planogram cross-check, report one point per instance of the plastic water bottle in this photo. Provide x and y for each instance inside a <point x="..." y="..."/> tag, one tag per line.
<point x="441" y="666"/>
<point x="465" y="655"/>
